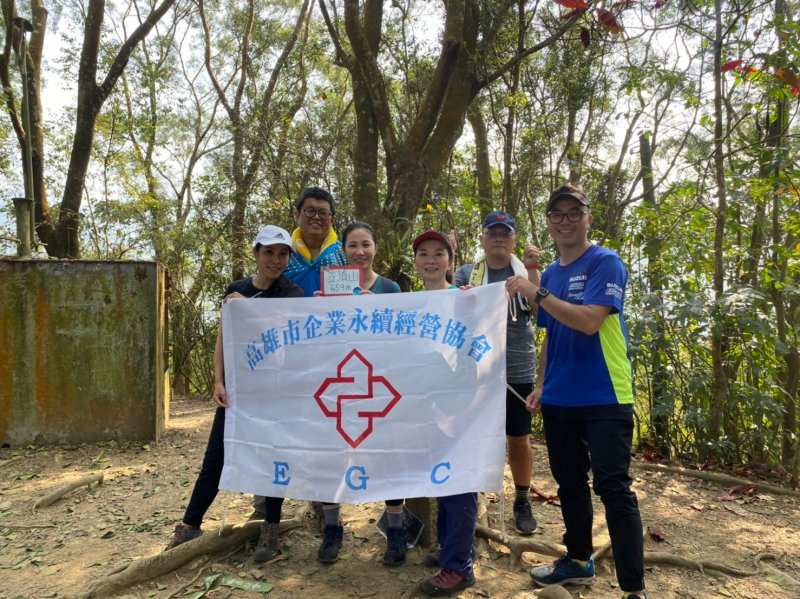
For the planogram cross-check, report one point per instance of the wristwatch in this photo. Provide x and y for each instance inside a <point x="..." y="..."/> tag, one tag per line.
<point x="541" y="294"/>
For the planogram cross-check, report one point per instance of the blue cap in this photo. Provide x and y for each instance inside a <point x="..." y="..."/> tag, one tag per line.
<point x="498" y="217"/>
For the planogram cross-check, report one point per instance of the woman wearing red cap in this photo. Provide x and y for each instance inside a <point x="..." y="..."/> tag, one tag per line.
<point x="457" y="514"/>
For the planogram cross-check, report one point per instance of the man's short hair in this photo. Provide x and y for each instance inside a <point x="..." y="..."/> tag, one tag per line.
<point x="568" y="190"/>
<point x="314" y="192"/>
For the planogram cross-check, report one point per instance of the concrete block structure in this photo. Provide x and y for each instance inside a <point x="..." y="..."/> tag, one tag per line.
<point x="82" y="351"/>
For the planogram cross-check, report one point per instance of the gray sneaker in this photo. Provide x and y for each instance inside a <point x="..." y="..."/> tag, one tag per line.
<point x="564" y="571"/>
<point x="524" y="521"/>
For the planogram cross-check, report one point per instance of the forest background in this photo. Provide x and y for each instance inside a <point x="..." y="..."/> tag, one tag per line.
<point x="171" y="130"/>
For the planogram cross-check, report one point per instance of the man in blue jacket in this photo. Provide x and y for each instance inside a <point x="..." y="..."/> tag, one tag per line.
<point x="314" y="242"/>
<point x="314" y="246"/>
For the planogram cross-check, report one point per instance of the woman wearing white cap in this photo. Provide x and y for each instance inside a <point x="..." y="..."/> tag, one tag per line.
<point x="271" y="250"/>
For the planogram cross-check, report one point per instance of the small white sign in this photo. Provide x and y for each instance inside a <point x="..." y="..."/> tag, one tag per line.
<point x="341" y="280"/>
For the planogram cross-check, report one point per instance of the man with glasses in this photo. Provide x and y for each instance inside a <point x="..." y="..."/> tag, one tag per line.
<point x="498" y="241"/>
<point x="585" y="392"/>
<point x="315" y="244"/>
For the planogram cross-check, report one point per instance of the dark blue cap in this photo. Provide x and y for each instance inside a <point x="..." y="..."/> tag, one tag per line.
<point x="498" y="217"/>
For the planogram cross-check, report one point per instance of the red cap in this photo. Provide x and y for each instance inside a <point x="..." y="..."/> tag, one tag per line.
<point x="435" y="235"/>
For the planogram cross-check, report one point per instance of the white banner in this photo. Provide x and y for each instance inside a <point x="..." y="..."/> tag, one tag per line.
<point x="359" y="398"/>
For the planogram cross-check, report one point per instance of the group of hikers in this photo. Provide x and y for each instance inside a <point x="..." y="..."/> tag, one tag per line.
<point x="582" y="385"/>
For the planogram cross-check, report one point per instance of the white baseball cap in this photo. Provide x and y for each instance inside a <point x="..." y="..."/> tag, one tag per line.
<point x="272" y="235"/>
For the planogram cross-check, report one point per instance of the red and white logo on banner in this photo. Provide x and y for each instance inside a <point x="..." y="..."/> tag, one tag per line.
<point x="354" y="419"/>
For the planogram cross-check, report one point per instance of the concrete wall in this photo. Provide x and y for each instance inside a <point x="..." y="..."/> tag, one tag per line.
<point x="82" y="355"/>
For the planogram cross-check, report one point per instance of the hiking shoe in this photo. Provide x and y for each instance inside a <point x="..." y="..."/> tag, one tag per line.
<point x="395" y="546"/>
<point x="564" y="571"/>
<point x="183" y="532"/>
<point x="331" y="543"/>
<point x="269" y="545"/>
<point x="523" y="518"/>
<point x="635" y="596"/>
<point x="431" y="560"/>
<point x="446" y="582"/>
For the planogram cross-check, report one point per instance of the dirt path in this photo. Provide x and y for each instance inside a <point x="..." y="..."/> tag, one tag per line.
<point x="58" y="550"/>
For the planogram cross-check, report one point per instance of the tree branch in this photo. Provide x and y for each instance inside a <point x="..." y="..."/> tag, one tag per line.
<point x="207" y="59"/>
<point x="11" y="40"/>
<point x="371" y="75"/>
<point x="452" y="44"/>
<point x="266" y="98"/>
<point x="244" y="55"/>
<point x="520" y="56"/>
<point x="343" y="57"/>
<point x="121" y="59"/>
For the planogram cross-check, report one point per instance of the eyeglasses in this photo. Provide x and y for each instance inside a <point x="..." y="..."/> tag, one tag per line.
<point x="572" y="216"/>
<point x="498" y="232"/>
<point x="321" y="212"/>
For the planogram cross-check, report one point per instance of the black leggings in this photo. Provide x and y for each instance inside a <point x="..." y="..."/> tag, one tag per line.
<point x="207" y="485"/>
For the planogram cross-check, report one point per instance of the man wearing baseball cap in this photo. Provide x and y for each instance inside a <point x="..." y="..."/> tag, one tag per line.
<point x="498" y="241"/>
<point x="585" y="393"/>
<point x="271" y="250"/>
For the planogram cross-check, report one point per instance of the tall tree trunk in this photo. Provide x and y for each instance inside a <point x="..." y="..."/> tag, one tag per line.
<point x="662" y="405"/>
<point x="65" y="240"/>
<point x="456" y="79"/>
<point x="719" y="343"/>
<point x="782" y="243"/>
<point x="367" y="138"/>
<point x="571" y="150"/>
<point x="483" y="168"/>
<point x="42" y="218"/>
<point x="510" y="199"/>
<point x="250" y="129"/>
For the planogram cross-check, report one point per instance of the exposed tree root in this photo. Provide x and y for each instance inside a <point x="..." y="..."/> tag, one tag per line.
<point x="601" y="552"/>
<point x="770" y="569"/>
<point x="662" y="558"/>
<point x="554" y="592"/>
<point x="518" y="546"/>
<point x="521" y="545"/>
<point x="61" y="491"/>
<point x="10" y="461"/>
<point x="717" y="477"/>
<point x="216" y="541"/>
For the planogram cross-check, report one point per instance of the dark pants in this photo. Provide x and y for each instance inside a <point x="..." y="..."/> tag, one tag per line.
<point x="206" y="486"/>
<point x="597" y="437"/>
<point x="455" y="529"/>
<point x="518" y="418"/>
